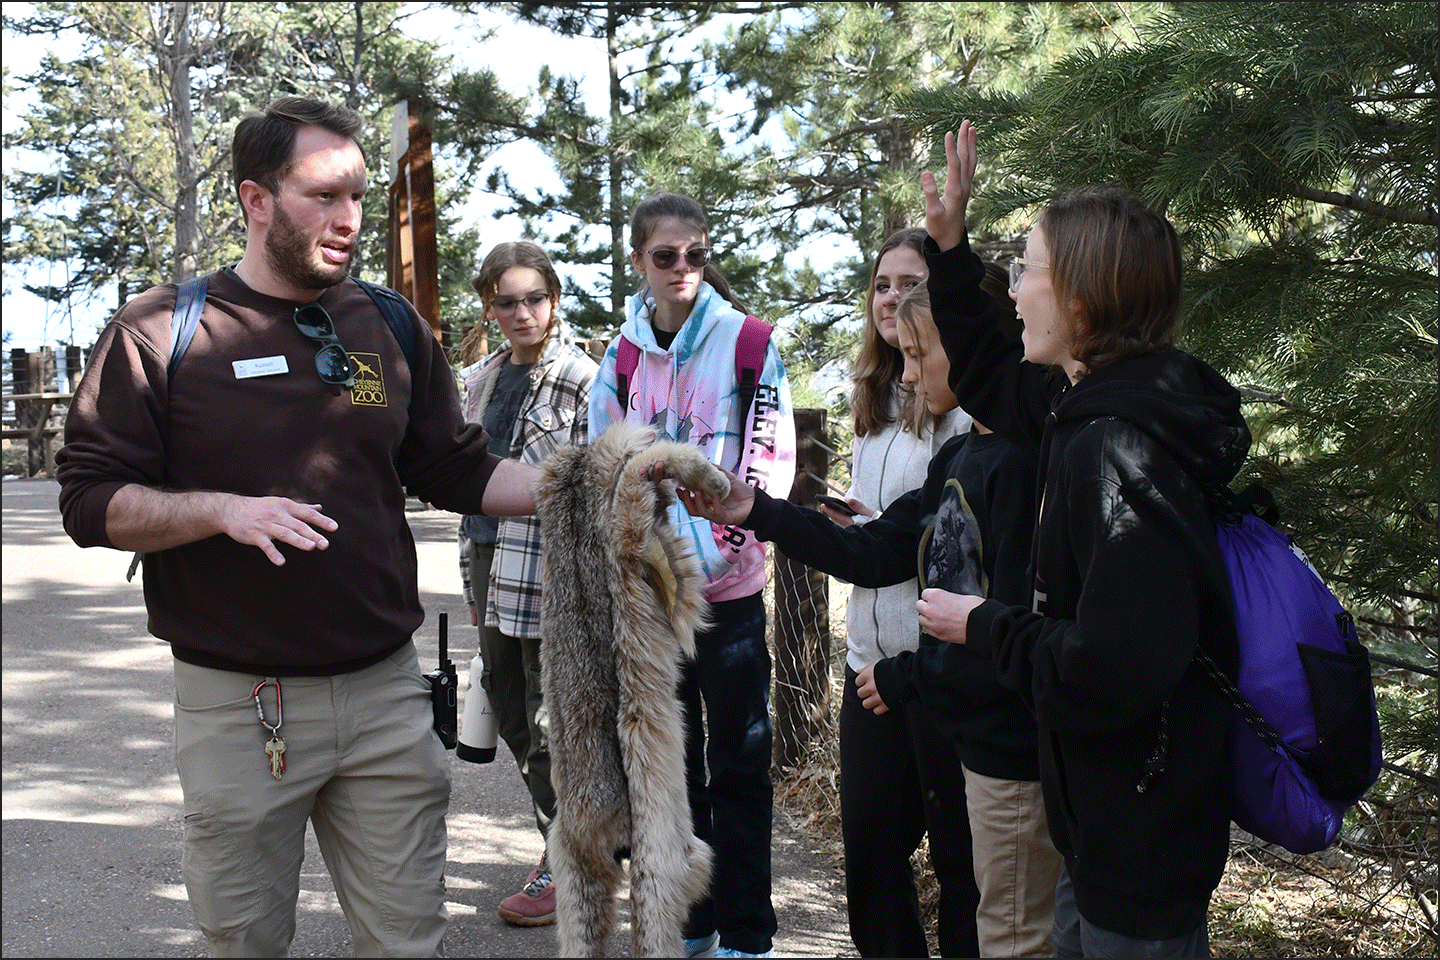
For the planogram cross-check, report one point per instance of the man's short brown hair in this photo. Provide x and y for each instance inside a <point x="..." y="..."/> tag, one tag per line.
<point x="265" y="140"/>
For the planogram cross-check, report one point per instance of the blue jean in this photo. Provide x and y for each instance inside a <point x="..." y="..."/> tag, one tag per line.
<point x="1074" y="936"/>
<point x="727" y="771"/>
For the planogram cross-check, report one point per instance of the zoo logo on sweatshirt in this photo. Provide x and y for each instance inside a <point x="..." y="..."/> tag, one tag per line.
<point x="369" y="389"/>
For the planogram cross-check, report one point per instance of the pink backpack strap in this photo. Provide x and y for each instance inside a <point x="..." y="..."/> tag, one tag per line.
<point x="627" y="358"/>
<point x="750" y="358"/>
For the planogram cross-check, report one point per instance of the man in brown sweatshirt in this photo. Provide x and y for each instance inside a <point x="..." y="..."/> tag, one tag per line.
<point x="265" y="485"/>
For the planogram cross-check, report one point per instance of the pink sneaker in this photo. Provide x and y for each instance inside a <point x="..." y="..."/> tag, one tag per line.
<point x="534" y="905"/>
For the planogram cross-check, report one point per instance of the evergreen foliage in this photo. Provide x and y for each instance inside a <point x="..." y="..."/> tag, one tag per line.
<point x="132" y="183"/>
<point x="1294" y="148"/>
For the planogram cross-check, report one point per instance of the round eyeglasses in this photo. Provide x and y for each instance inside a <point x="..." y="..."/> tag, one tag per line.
<point x="332" y="362"/>
<point x="507" y="306"/>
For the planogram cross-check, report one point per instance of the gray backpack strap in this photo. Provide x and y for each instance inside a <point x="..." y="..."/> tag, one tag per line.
<point x="189" y="304"/>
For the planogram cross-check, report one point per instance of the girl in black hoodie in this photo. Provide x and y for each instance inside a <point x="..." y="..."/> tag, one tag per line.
<point x="1127" y="577"/>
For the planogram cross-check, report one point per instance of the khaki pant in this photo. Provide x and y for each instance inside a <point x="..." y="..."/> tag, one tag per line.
<point x="363" y="765"/>
<point x="1016" y="866"/>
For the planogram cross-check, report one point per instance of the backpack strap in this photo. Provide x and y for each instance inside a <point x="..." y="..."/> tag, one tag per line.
<point x="749" y="362"/>
<point x="750" y="359"/>
<point x="396" y="311"/>
<point x="627" y="358"/>
<point x="189" y="304"/>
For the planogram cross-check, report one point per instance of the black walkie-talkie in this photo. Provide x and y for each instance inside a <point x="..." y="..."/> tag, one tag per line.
<point x="443" y="698"/>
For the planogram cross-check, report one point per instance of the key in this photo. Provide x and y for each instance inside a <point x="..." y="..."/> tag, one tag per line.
<point x="275" y="749"/>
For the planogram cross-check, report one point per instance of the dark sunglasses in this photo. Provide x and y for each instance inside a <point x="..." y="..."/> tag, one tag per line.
<point x="664" y="257"/>
<point x="332" y="362"/>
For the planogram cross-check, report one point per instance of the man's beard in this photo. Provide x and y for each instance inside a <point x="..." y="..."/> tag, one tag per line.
<point x="293" y="256"/>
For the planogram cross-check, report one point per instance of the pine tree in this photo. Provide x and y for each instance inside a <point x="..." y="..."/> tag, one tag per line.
<point x="654" y="135"/>
<point x="830" y="153"/>
<point x="140" y="191"/>
<point x="1294" y="147"/>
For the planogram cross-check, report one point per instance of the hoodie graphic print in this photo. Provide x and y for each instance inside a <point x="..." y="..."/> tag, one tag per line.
<point x="690" y="393"/>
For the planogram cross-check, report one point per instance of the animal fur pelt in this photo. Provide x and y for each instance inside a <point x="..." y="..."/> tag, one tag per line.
<point x="621" y="607"/>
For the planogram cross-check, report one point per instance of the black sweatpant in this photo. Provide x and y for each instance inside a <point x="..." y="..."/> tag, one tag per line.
<point x="899" y="780"/>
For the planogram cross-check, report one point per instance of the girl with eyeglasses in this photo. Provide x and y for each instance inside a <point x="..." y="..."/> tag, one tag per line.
<point x="685" y="324"/>
<point x="1127" y="576"/>
<point x="532" y="396"/>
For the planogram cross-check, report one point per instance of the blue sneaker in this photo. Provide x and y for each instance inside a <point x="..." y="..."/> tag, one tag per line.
<point x="727" y="952"/>
<point x="702" y="946"/>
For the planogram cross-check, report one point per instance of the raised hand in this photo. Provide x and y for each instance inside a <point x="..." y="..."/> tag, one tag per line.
<point x="945" y="211"/>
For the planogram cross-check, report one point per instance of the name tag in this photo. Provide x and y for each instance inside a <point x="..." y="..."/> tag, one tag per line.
<point x="260" y="367"/>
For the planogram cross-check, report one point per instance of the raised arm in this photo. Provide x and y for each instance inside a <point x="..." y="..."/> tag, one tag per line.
<point x="945" y="210"/>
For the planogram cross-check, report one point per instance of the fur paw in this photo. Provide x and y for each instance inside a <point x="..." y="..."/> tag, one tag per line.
<point x="690" y="468"/>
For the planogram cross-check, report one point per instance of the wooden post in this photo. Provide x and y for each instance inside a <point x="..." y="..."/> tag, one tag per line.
<point x="596" y="348"/>
<point x="74" y="365"/>
<point x="802" y="614"/>
<point x="412" y="263"/>
<point x="34" y="373"/>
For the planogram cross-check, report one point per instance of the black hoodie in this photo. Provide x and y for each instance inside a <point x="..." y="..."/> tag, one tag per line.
<point x="968" y="529"/>
<point x="1128" y="580"/>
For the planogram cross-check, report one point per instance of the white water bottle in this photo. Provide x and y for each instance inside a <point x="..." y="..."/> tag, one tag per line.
<point x="477" y="725"/>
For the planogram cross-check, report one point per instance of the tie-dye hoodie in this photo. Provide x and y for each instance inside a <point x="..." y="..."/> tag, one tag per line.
<point x="691" y="393"/>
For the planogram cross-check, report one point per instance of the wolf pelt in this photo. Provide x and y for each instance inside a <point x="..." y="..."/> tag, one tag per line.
<point x="622" y="604"/>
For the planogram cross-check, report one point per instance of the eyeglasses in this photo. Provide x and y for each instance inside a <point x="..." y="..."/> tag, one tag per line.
<point x="664" y="257"/>
<point x="332" y="362"/>
<point x="505" y="306"/>
<point x="1017" y="271"/>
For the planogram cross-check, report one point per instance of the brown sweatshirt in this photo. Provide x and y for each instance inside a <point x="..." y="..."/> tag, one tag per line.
<point x="354" y="452"/>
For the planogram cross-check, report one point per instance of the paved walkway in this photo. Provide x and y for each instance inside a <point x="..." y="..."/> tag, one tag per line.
<point x="91" y="802"/>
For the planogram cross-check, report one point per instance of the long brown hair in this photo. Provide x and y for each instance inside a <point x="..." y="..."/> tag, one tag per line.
<point x="653" y="209"/>
<point x="878" y="397"/>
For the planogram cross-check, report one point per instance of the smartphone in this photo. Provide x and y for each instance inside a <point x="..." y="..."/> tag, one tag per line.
<point x="835" y="503"/>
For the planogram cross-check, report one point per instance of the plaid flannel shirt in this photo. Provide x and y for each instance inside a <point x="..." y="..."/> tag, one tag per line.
<point x="556" y="412"/>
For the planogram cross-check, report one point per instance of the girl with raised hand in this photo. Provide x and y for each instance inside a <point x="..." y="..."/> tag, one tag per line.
<point x="898" y="776"/>
<point x="1127" y="578"/>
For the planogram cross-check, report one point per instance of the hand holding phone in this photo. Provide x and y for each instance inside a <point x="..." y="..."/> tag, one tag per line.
<point x="836" y="504"/>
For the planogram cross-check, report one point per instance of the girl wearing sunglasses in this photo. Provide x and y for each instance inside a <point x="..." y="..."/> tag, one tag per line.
<point x="685" y="323"/>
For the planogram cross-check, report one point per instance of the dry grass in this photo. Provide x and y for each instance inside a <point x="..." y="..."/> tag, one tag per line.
<point x="1270" y="903"/>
